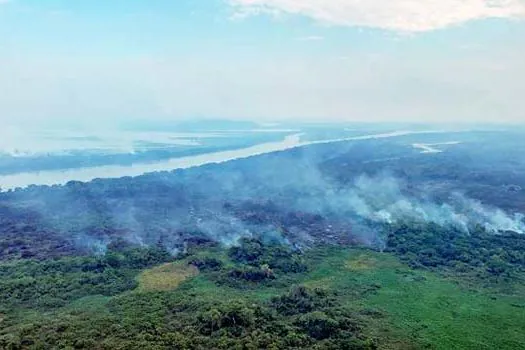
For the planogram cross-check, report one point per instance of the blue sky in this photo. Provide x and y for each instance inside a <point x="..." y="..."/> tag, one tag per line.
<point x="96" y="61"/>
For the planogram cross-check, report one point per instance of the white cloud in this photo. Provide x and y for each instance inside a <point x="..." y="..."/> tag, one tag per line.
<point x="396" y="15"/>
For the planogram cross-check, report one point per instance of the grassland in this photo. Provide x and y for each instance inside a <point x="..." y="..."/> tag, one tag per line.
<point x="426" y="308"/>
<point x="165" y="277"/>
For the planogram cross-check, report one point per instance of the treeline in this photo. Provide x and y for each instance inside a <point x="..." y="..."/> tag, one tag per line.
<point x="479" y="253"/>
<point x="251" y="263"/>
<point x="190" y="317"/>
<point x="54" y="283"/>
<point x="300" y="319"/>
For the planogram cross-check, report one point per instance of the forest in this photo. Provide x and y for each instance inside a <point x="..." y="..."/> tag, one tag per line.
<point x="282" y="251"/>
<point x="255" y="295"/>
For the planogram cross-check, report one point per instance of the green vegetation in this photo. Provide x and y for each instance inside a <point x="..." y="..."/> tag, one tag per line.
<point x="479" y="256"/>
<point x="165" y="277"/>
<point x="325" y="298"/>
<point x="428" y="309"/>
<point x="28" y="284"/>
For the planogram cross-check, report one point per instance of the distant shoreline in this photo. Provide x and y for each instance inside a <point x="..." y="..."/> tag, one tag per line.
<point x="61" y="177"/>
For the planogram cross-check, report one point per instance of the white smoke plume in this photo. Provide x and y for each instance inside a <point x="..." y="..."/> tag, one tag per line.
<point x="381" y="199"/>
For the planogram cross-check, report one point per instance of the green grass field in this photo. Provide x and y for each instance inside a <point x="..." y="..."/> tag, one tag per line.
<point x="434" y="312"/>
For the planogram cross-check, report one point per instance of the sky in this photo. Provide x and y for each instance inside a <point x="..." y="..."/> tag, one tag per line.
<point x="99" y="62"/>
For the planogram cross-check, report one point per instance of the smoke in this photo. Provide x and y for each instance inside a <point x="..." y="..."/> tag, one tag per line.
<point x="97" y="246"/>
<point x="223" y="228"/>
<point x="301" y="211"/>
<point x="381" y="199"/>
<point x="281" y="198"/>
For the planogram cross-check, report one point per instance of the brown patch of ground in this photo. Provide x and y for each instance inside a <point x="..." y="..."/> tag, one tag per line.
<point x="165" y="277"/>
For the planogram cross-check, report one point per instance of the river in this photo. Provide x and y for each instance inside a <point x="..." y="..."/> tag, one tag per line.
<point x="60" y="177"/>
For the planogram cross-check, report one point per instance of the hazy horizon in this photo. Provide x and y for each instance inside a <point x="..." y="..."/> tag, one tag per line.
<point x="101" y="64"/>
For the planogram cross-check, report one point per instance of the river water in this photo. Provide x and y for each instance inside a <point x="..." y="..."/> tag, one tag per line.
<point x="59" y="177"/>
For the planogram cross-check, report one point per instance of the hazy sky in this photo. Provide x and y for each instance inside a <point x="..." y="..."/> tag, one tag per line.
<point x="100" y="61"/>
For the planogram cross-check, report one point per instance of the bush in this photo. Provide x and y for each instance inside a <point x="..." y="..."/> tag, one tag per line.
<point x="248" y="252"/>
<point x="318" y="325"/>
<point x="252" y="274"/>
<point x="206" y="264"/>
<point x="301" y="300"/>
